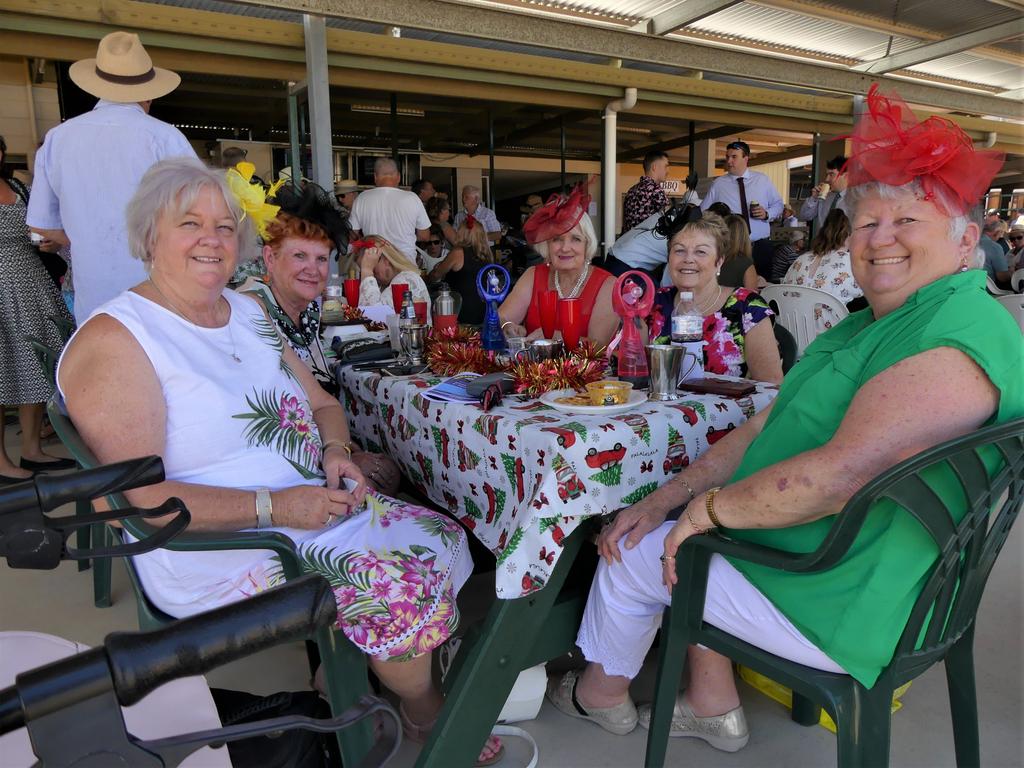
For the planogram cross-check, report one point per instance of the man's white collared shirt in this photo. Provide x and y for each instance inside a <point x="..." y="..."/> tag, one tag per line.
<point x="85" y="173"/>
<point x="758" y="189"/>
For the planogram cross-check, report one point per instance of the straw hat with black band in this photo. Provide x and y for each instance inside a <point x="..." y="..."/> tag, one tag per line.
<point x="122" y="72"/>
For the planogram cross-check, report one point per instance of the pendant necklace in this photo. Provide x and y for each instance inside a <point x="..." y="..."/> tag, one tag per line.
<point x="233" y="354"/>
<point x="576" y="288"/>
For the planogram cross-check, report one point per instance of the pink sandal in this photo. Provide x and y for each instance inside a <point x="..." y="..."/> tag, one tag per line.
<point x="420" y="733"/>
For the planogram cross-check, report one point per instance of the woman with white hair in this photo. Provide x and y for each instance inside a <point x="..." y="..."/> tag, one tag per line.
<point x="864" y="396"/>
<point x="182" y="368"/>
<point x="563" y="235"/>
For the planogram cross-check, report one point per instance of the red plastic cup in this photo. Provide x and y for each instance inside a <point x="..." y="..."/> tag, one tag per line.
<point x="397" y="294"/>
<point x="352" y="292"/>
<point x="446" y="323"/>
<point x="421" y="311"/>
<point x="548" y="313"/>
<point x="570" y="320"/>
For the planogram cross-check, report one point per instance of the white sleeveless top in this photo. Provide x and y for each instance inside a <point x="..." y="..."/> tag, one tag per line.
<point x="232" y="424"/>
<point x="235" y="425"/>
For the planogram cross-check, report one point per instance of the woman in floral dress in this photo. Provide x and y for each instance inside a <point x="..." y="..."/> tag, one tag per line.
<point x="738" y="335"/>
<point x="180" y="367"/>
<point x="826" y="267"/>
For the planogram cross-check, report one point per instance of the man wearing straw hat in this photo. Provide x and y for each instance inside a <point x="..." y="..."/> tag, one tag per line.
<point x="89" y="167"/>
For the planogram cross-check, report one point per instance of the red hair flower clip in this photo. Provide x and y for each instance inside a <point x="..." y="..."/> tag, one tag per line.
<point x="891" y="146"/>
<point x="557" y="216"/>
<point x="360" y="244"/>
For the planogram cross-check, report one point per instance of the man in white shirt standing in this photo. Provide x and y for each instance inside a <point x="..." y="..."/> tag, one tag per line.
<point x="747" y="193"/>
<point x="471" y="206"/>
<point x="826" y="196"/>
<point x="751" y="195"/>
<point x="394" y="214"/>
<point x="89" y="167"/>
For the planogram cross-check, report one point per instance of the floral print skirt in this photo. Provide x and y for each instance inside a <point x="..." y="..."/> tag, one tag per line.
<point x="395" y="569"/>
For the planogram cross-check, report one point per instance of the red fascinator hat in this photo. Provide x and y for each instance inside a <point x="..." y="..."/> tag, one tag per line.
<point x="557" y="216"/>
<point x="892" y="147"/>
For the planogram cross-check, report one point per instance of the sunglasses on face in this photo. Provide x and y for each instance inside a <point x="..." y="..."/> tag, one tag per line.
<point x="425" y="243"/>
<point x="1015" y="238"/>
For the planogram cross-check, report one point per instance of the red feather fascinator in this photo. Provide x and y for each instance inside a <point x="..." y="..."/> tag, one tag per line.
<point x="892" y="147"/>
<point x="557" y="216"/>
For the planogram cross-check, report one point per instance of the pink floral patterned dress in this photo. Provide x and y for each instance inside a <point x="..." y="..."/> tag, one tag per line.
<point x="725" y="331"/>
<point x="396" y="568"/>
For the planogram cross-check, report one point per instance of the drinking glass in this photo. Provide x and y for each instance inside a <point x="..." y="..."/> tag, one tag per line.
<point x="548" y="312"/>
<point x="352" y="292"/>
<point x="397" y="294"/>
<point x="570" y="321"/>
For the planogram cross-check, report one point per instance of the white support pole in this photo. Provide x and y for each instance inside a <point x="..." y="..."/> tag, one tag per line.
<point x="611" y="173"/>
<point x="319" y="96"/>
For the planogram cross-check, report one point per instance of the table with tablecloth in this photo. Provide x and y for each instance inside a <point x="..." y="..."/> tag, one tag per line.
<point x="523" y="476"/>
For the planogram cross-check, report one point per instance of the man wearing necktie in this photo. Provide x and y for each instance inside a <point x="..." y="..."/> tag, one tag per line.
<point x="751" y="195"/>
<point x="827" y="196"/>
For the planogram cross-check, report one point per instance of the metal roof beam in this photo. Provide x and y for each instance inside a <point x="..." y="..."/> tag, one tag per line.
<point x="541" y="126"/>
<point x="682" y="141"/>
<point x="1015" y="95"/>
<point x="678" y="16"/>
<point x="919" y="54"/>
<point x="490" y="24"/>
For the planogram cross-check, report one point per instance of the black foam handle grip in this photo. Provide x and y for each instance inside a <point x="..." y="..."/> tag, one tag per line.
<point x="55" y="490"/>
<point x="142" y="661"/>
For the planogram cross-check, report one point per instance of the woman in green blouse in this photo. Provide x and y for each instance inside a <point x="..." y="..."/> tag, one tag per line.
<point x="934" y="357"/>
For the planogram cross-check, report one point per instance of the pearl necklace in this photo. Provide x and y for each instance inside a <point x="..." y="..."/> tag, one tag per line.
<point x="576" y="288"/>
<point x="233" y="354"/>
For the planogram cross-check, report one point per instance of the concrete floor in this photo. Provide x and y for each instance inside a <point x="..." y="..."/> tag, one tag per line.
<point x="60" y="602"/>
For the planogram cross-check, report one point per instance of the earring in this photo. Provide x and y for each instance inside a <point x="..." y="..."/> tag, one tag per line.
<point x="963" y="265"/>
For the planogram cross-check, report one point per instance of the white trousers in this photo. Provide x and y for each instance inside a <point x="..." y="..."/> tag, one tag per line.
<point x="627" y="601"/>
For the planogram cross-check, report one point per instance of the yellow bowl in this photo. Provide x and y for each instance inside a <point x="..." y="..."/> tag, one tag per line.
<point x="609" y="392"/>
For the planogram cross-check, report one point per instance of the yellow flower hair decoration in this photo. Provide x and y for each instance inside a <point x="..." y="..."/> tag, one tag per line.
<point x="251" y="196"/>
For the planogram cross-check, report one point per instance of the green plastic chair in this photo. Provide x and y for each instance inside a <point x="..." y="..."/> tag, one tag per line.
<point x="941" y="624"/>
<point x="345" y="666"/>
<point x="47" y="357"/>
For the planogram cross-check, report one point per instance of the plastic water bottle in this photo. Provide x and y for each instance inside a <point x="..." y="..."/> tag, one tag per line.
<point x="688" y="332"/>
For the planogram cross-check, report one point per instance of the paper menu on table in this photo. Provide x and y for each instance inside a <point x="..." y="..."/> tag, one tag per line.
<point x="452" y="389"/>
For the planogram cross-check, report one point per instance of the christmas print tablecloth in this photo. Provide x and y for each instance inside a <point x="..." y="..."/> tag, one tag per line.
<point x="523" y="476"/>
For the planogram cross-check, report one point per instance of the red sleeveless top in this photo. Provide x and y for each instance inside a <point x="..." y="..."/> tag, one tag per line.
<point x="587" y="297"/>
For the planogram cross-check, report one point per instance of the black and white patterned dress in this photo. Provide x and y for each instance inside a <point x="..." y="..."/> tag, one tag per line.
<point x="28" y="298"/>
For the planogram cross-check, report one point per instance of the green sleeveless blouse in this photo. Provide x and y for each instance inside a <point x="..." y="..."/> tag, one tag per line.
<point x="856" y="611"/>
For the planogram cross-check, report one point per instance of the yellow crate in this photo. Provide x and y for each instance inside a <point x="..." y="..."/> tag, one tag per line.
<point x="784" y="696"/>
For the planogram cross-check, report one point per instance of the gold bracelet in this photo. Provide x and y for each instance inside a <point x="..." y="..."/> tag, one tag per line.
<point x="686" y="485"/>
<point x="337" y="444"/>
<point x="709" y="506"/>
<point x="697" y="528"/>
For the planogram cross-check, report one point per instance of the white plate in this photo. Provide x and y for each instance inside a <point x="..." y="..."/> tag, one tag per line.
<point x="551" y="398"/>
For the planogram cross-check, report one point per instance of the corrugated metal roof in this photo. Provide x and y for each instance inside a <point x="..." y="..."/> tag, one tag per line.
<point x="763" y="27"/>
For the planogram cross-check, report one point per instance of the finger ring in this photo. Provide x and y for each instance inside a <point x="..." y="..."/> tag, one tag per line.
<point x="666" y="558"/>
<point x="328" y="520"/>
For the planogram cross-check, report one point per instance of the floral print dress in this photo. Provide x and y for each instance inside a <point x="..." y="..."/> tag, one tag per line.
<point x="238" y="418"/>
<point x="725" y="331"/>
<point x="832" y="274"/>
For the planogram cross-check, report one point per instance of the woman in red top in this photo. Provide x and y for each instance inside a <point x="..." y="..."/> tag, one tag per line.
<point x="565" y="237"/>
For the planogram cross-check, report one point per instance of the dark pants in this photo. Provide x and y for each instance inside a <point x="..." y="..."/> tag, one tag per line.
<point x="618" y="267"/>
<point x="763" y="253"/>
